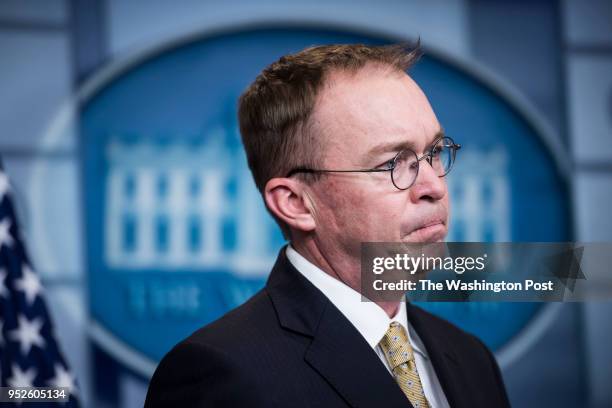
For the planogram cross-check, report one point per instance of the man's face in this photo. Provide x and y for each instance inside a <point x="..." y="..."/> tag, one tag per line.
<point x="355" y="117"/>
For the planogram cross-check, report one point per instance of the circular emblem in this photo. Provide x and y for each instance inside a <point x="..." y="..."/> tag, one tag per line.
<point x="176" y="231"/>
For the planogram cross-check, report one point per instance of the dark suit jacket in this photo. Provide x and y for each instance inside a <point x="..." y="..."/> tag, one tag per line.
<point x="289" y="346"/>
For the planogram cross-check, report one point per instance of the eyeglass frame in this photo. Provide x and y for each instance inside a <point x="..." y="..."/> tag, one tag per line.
<point x="454" y="146"/>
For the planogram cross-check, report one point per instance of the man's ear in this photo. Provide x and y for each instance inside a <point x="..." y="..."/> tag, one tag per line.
<point x="286" y="198"/>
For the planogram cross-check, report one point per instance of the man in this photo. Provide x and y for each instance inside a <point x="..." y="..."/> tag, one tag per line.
<point x="345" y="148"/>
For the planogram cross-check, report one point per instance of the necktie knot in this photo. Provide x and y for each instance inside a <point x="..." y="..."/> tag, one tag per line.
<point x="395" y="344"/>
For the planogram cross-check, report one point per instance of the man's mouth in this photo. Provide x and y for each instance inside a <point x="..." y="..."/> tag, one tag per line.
<point x="434" y="231"/>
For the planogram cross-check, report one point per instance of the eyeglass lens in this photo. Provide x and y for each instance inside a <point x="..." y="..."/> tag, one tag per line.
<point x="406" y="167"/>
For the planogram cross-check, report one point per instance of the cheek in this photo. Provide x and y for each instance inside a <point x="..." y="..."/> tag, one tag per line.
<point x="345" y="204"/>
<point x="344" y="207"/>
<point x="390" y="215"/>
<point x="367" y="216"/>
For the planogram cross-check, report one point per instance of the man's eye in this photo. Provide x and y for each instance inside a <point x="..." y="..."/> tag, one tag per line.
<point x="388" y="164"/>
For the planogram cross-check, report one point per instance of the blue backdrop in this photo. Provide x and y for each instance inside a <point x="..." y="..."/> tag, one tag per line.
<point x="176" y="232"/>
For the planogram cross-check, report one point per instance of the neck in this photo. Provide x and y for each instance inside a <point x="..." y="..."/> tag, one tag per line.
<point x="344" y="271"/>
<point x="390" y="308"/>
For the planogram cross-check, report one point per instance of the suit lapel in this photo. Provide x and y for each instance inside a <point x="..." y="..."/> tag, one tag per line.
<point x="337" y="352"/>
<point x="443" y="358"/>
<point x="341" y="355"/>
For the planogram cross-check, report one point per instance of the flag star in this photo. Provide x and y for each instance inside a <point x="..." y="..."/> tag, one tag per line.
<point x="21" y="378"/>
<point x="3" y="290"/>
<point x="29" y="284"/>
<point x="4" y="184"/>
<point x="28" y="334"/>
<point x="5" y="233"/>
<point x="62" y="379"/>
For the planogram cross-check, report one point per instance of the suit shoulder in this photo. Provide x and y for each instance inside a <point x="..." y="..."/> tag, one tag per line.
<point x="206" y="367"/>
<point x="255" y="319"/>
<point x="198" y="374"/>
<point x="445" y="328"/>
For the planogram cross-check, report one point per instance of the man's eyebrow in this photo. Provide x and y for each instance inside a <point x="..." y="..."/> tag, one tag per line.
<point x="397" y="146"/>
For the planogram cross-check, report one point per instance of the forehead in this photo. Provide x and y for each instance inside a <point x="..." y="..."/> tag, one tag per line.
<point x="356" y="113"/>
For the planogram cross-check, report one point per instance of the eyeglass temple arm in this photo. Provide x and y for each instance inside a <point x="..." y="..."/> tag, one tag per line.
<point x="314" y="171"/>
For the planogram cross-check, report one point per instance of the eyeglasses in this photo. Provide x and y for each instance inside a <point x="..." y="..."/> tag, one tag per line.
<point x="404" y="167"/>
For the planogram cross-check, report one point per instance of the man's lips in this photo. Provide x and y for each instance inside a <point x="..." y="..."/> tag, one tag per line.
<point x="430" y="232"/>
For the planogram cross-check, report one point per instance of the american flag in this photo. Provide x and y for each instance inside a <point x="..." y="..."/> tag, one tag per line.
<point x="30" y="355"/>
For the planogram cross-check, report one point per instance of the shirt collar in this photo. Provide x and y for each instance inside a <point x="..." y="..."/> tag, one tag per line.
<point x="367" y="317"/>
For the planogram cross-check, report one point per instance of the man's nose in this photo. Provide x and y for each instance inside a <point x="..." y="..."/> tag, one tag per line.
<point x="428" y="185"/>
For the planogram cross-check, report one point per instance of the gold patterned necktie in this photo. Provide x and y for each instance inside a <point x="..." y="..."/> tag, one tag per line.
<point x="399" y="355"/>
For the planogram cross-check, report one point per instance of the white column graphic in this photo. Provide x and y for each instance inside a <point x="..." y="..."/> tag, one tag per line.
<point x="145" y="203"/>
<point x="115" y="204"/>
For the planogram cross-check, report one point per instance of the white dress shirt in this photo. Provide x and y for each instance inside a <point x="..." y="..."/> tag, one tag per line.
<point x="372" y="322"/>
